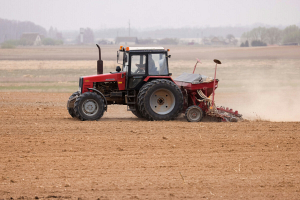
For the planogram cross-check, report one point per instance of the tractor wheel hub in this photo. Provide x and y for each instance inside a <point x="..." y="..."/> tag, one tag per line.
<point x="195" y="115"/>
<point x="162" y="101"/>
<point x="90" y="107"/>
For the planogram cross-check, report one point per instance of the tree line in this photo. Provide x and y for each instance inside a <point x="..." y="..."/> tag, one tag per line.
<point x="12" y="29"/>
<point x="262" y="36"/>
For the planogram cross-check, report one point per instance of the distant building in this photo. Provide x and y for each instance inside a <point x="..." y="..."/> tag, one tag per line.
<point x="31" y="39"/>
<point x="216" y="41"/>
<point x="86" y="36"/>
<point x="206" y="41"/>
<point x="126" y="40"/>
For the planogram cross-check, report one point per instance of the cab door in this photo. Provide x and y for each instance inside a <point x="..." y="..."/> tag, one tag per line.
<point x="136" y="70"/>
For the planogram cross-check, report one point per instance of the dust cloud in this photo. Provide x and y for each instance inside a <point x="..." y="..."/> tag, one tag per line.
<point x="264" y="89"/>
<point x="268" y="105"/>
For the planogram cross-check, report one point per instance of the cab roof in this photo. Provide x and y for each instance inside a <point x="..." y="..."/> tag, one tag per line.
<point x="143" y="49"/>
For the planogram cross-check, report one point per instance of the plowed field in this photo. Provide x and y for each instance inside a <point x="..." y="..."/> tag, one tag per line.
<point x="45" y="154"/>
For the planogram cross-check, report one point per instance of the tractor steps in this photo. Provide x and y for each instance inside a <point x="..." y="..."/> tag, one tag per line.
<point x="131" y="100"/>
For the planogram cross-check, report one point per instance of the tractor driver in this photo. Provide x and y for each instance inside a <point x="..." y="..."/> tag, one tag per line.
<point x="140" y="69"/>
<point x="152" y="69"/>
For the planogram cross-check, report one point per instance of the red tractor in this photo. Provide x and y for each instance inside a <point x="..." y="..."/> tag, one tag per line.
<point x="145" y="85"/>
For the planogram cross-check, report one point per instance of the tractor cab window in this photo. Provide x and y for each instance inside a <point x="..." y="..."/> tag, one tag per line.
<point x="138" y="64"/>
<point x="157" y="64"/>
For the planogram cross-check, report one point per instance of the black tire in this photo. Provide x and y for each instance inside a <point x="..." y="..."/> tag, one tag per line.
<point x="194" y="114"/>
<point x="89" y="106"/>
<point x="160" y="99"/>
<point x="71" y="109"/>
<point x="140" y="103"/>
<point x="137" y="113"/>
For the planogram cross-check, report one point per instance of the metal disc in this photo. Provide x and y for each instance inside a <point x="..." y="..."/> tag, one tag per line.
<point x="90" y="107"/>
<point x="162" y="101"/>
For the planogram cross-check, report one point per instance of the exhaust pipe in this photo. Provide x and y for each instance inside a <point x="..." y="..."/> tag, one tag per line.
<point x="99" y="62"/>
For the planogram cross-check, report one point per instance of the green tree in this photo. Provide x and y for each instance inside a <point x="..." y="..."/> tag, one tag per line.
<point x="291" y="34"/>
<point x="259" y="33"/>
<point x="256" y="43"/>
<point x="25" y="42"/>
<point x="9" y="44"/>
<point x="50" y="41"/>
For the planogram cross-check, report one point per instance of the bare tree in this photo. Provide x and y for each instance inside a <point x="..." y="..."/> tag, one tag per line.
<point x="88" y="36"/>
<point x="274" y="35"/>
<point x="246" y="36"/>
<point x="259" y="33"/>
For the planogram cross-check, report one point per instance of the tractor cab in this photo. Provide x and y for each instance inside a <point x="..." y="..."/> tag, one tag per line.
<point x="142" y="63"/>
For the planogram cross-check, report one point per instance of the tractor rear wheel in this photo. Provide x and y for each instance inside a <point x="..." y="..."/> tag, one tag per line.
<point x="160" y="99"/>
<point x="89" y="106"/>
<point x="137" y="113"/>
<point x="194" y="114"/>
<point x="135" y="110"/>
<point x="71" y="109"/>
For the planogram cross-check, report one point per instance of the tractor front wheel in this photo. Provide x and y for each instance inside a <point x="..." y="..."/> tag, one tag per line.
<point x="89" y="106"/>
<point x="160" y="99"/>
<point x="194" y="114"/>
<point x="71" y="108"/>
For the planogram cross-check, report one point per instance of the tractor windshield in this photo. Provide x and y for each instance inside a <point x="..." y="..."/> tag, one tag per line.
<point x="157" y="64"/>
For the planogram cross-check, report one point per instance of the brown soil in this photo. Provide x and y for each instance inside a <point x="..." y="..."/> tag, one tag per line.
<point x="45" y="154"/>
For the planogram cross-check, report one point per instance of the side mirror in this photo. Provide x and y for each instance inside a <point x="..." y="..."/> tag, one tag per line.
<point x="125" y="57"/>
<point x="117" y="56"/>
<point x="118" y="68"/>
<point x="169" y="56"/>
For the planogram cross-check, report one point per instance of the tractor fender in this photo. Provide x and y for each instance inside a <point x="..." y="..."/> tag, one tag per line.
<point x="158" y="77"/>
<point x="98" y="92"/>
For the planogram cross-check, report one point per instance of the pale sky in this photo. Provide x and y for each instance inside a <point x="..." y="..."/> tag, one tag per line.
<point x="96" y="14"/>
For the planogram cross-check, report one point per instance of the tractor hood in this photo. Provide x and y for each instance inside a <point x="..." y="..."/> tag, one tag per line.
<point x="113" y="76"/>
<point x="86" y="82"/>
